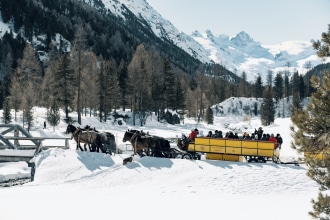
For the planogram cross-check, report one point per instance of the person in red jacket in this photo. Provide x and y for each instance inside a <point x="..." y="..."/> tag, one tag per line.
<point x="273" y="139"/>
<point x="193" y="134"/>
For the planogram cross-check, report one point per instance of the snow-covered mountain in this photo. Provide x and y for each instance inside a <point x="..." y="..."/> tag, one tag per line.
<point x="162" y="28"/>
<point x="239" y="53"/>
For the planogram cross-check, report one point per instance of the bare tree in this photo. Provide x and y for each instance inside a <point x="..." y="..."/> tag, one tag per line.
<point x="78" y="49"/>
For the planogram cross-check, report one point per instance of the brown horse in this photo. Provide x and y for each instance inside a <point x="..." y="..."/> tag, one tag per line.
<point x="142" y="143"/>
<point x="90" y="138"/>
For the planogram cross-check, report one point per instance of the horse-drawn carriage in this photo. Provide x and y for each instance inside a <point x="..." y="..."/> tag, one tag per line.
<point x="230" y="149"/>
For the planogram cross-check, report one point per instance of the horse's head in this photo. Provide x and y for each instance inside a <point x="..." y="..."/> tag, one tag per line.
<point x="127" y="136"/>
<point x="70" y="129"/>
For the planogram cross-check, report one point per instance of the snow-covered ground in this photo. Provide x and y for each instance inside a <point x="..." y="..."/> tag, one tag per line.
<point x="71" y="184"/>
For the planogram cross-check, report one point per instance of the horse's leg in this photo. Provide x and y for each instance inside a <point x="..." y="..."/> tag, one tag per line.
<point x="78" y="146"/>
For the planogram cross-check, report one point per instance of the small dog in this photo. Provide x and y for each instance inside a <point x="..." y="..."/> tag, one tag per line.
<point x="128" y="160"/>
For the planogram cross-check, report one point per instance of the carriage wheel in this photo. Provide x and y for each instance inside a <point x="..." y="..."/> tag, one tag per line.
<point x="276" y="159"/>
<point x="261" y="160"/>
<point x="187" y="156"/>
<point x="252" y="160"/>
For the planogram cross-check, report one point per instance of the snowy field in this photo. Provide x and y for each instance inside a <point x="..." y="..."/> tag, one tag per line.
<point x="71" y="184"/>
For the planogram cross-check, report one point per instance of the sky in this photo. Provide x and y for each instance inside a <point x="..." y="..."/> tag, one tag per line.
<point x="268" y="22"/>
<point x="71" y="184"/>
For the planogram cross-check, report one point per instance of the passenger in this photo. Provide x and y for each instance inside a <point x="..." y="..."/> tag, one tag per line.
<point x="246" y="136"/>
<point x="236" y="136"/>
<point x="279" y="140"/>
<point x="273" y="139"/>
<point x="231" y="135"/>
<point x="215" y="133"/>
<point x="193" y="134"/>
<point x="209" y="134"/>
<point x="259" y="133"/>
<point x="219" y="134"/>
<point x="264" y="137"/>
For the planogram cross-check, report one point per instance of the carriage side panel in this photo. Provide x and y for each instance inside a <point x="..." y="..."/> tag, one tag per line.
<point x="233" y="147"/>
<point x="226" y="157"/>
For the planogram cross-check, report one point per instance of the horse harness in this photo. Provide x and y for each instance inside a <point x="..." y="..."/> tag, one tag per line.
<point x="134" y="136"/>
<point x="78" y="132"/>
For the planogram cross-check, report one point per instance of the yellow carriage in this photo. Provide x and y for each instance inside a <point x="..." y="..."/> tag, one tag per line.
<point x="233" y="150"/>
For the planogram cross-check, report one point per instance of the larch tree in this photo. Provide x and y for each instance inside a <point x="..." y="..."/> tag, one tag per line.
<point x="78" y="52"/>
<point x="138" y="79"/>
<point x="89" y="82"/>
<point x="16" y="93"/>
<point x="311" y="133"/>
<point x="29" y="75"/>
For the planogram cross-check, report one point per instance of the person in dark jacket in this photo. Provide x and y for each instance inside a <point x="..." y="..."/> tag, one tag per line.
<point x="259" y="133"/>
<point x="279" y="140"/>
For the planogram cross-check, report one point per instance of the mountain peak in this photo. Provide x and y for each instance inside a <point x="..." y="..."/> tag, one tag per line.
<point x="242" y="39"/>
<point x="209" y="33"/>
<point x="196" y="34"/>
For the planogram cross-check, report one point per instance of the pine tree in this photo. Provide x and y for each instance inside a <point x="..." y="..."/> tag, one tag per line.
<point x="179" y="95"/>
<point x="53" y="115"/>
<point x="286" y="85"/>
<point x="242" y="87"/>
<point x="209" y="117"/>
<point x="169" y="82"/>
<point x="267" y="109"/>
<point x="295" y="102"/>
<point x="312" y="132"/>
<point x="258" y="88"/>
<point x="63" y="89"/>
<point x="123" y="83"/>
<point x="313" y="135"/>
<point x="6" y="117"/>
<point x="278" y="87"/>
<point x="102" y="88"/>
